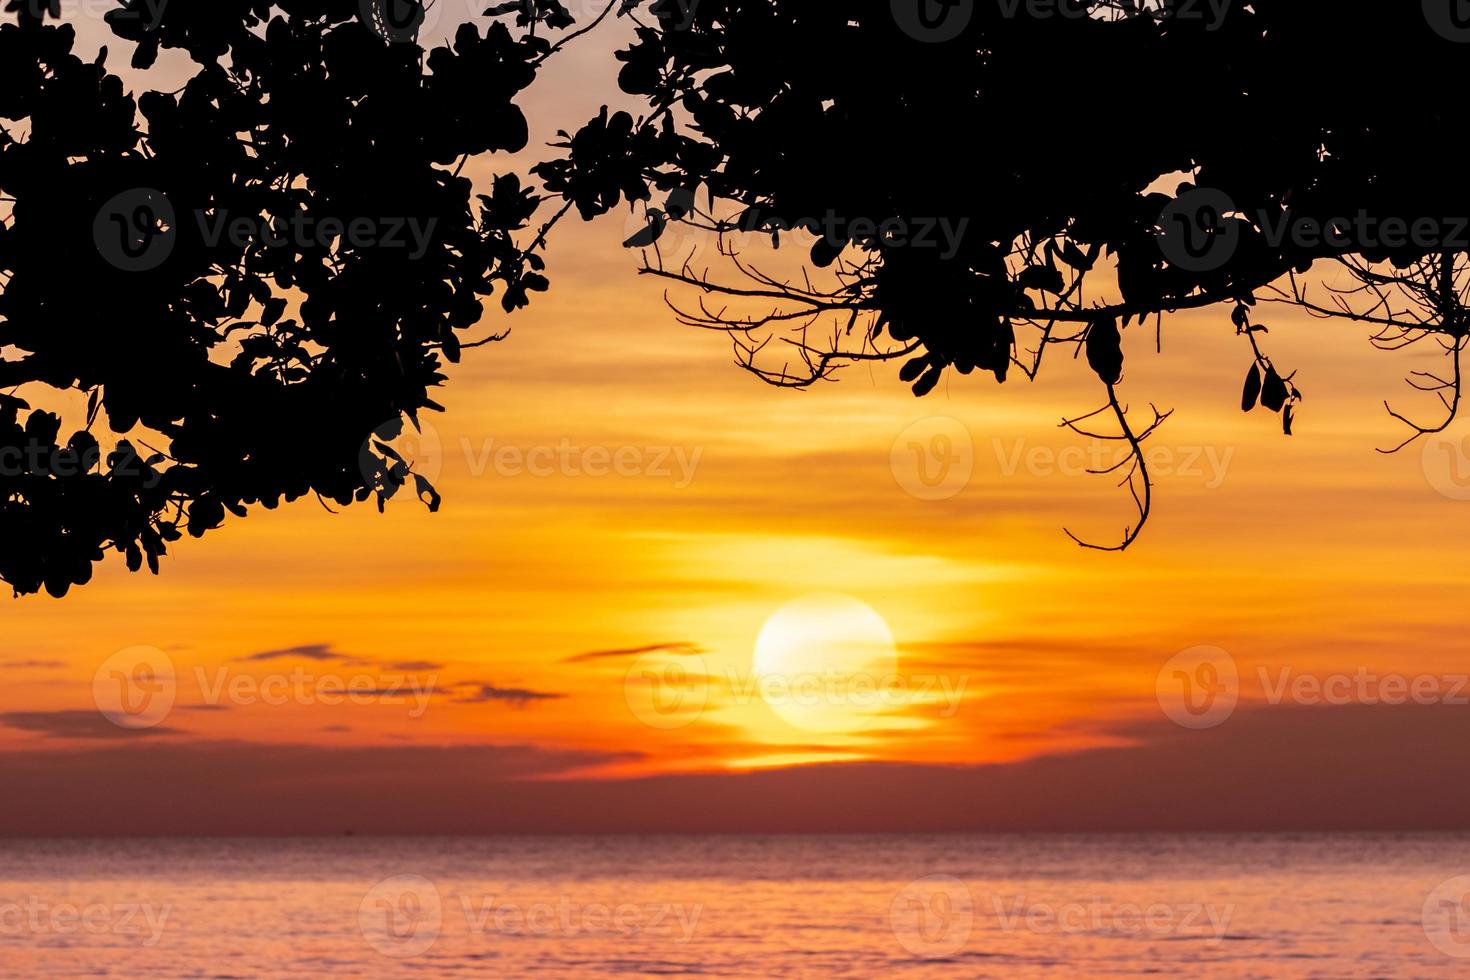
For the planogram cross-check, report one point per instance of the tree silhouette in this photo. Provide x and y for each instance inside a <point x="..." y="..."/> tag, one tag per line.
<point x="256" y="278"/>
<point x="1046" y="132"/>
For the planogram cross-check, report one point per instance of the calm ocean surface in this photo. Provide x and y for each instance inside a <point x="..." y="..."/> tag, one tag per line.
<point x="852" y="906"/>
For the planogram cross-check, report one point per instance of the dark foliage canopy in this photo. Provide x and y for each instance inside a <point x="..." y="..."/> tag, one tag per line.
<point x="170" y="258"/>
<point x="266" y="269"/>
<point x="1298" y="130"/>
<point x="1045" y="129"/>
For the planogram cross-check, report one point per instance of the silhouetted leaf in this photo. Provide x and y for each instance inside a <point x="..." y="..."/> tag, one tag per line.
<point x="1105" y="350"/>
<point x="1252" y="393"/>
<point x="824" y="253"/>
<point x="926" y="383"/>
<point x="1073" y="256"/>
<point x="1273" y="392"/>
<point x="651" y="232"/>
<point x="1043" y="277"/>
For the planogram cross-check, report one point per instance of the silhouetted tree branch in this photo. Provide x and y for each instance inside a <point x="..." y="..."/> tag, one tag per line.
<point x="261" y="273"/>
<point x="1119" y="161"/>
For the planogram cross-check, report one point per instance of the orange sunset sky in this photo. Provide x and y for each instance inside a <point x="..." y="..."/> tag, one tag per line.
<point x="1038" y="660"/>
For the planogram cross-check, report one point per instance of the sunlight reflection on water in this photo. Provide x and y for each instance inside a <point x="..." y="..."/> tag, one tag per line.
<point x="942" y="906"/>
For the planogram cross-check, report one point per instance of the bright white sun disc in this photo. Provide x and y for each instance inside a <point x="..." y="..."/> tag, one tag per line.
<point x="823" y="660"/>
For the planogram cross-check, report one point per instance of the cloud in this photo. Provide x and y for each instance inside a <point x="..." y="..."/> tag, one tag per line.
<point x="1282" y="768"/>
<point x="517" y="697"/>
<point x="413" y="666"/>
<point x="74" y="724"/>
<point x="307" y="651"/>
<point x="128" y="788"/>
<point x="327" y="652"/>
<point x="682" y="648"/>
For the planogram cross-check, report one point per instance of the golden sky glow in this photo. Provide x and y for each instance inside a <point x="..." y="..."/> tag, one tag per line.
<point x="697" y="502"/>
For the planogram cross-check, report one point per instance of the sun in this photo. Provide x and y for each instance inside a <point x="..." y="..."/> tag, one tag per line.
<point x="824" y="662"/>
